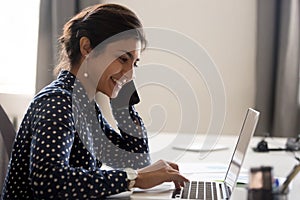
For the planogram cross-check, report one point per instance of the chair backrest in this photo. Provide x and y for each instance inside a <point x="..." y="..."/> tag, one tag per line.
<point x="7" y="131"/>
<point x="7" y="136"/>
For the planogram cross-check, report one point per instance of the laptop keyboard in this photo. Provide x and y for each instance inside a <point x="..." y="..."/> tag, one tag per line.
<point x="201" y="190"/>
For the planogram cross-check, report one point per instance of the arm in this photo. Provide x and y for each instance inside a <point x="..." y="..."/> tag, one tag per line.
<point x="132" y="141"/>
<point x="129" y="148"/>
<point x="53" y="136"/>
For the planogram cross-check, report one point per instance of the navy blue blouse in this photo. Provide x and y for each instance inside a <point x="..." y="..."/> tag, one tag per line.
<point x="63" y="141"/>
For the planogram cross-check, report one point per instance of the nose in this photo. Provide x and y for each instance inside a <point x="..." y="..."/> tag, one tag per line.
<point x="128" y="76"/>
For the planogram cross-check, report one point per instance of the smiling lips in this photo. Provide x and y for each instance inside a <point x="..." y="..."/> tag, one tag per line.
<point x="119" y="83"/>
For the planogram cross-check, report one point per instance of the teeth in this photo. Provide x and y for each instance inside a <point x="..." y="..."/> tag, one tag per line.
<point x="119" y="83"/>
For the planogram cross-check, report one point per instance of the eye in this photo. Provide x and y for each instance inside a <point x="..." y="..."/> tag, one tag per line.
<point x="123" y="59"/>
<point x="136" y="64"/>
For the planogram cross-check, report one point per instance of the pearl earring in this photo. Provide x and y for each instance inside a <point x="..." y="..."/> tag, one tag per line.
<point x="85" y="74"/>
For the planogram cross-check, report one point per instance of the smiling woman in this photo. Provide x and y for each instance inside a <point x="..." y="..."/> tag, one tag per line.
<point x="64" y="137"/>
<point x="19" y="46"/>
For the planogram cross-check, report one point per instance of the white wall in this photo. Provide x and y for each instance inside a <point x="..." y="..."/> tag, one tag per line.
<point x="15" y="106"/>
<point x="227" y="30"/>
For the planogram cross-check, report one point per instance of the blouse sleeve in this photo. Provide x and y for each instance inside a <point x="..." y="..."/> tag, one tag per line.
<point x="130" y="146"/>
<point x="50" y="172"/>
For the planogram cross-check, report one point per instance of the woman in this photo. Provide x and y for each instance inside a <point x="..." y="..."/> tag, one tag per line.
<point x="64" y="139"/>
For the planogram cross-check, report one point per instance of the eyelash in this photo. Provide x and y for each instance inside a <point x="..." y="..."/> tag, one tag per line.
<point x="124" y="60"/>
<point x="136" y="64"/>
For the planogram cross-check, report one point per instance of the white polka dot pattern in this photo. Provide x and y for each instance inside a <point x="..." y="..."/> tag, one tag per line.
<point x="54" y="158"/>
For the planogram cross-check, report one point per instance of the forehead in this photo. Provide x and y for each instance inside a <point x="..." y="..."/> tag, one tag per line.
<point x="127" y="45"/>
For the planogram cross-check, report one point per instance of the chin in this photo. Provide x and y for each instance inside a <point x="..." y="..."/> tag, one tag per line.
<point x="110" y="93"/>
<point x="112" y="96"/>
<point x="114" y="93"/>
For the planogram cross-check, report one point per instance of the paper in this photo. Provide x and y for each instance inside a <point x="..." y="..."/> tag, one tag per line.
<point x="164" y="187"/>
<point x="210" y="172"/>
<point x="122" y="195"/>
<point x="199" y="148"/>
<point x="204" y="168"/>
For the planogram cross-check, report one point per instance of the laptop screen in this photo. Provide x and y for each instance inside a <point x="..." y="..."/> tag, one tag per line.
<point x="237" y="159"/>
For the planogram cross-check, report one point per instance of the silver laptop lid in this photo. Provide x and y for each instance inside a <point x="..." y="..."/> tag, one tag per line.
<point x="246" y="133"/>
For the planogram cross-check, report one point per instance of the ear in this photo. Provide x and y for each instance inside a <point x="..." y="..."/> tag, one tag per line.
<point x="85" y="46"/>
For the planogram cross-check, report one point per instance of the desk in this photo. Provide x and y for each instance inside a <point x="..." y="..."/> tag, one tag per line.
<point x="281" y="161"/>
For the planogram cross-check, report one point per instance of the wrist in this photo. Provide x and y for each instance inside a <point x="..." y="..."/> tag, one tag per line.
<point x="132" y="175"/>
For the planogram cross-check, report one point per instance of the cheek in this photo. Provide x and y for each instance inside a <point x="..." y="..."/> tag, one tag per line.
<point x="95" y="71"/>
<point x="105" y="84"/>
<point x="109" y="71"/>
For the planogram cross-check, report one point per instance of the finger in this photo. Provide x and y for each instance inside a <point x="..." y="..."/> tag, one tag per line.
<point x="177" y="184"/>
<point x="181" y="183"/>
<point x="176" y="176"/>
<point x="173" y="165"/>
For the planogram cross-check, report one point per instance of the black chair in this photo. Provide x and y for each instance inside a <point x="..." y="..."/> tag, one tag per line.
<point x="7" y="137"/>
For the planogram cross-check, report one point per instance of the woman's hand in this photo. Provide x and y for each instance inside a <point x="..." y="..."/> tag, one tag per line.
<point x="159" y="172"/>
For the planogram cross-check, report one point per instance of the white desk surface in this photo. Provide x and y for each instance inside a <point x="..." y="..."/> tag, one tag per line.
<point x="281" y="161"/>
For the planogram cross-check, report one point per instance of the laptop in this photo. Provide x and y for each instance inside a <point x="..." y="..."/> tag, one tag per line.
<point x="215" y="190"/>
<point x="223" y="189"/>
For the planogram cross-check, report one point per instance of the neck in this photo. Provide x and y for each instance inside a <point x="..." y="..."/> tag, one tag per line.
<point x="85" y="81"/>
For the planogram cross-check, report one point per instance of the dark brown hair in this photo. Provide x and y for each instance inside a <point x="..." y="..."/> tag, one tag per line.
<point x="98" y="23"/>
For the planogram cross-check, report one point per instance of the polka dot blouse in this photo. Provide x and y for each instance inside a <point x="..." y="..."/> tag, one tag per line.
<point x="63" y="141"/>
